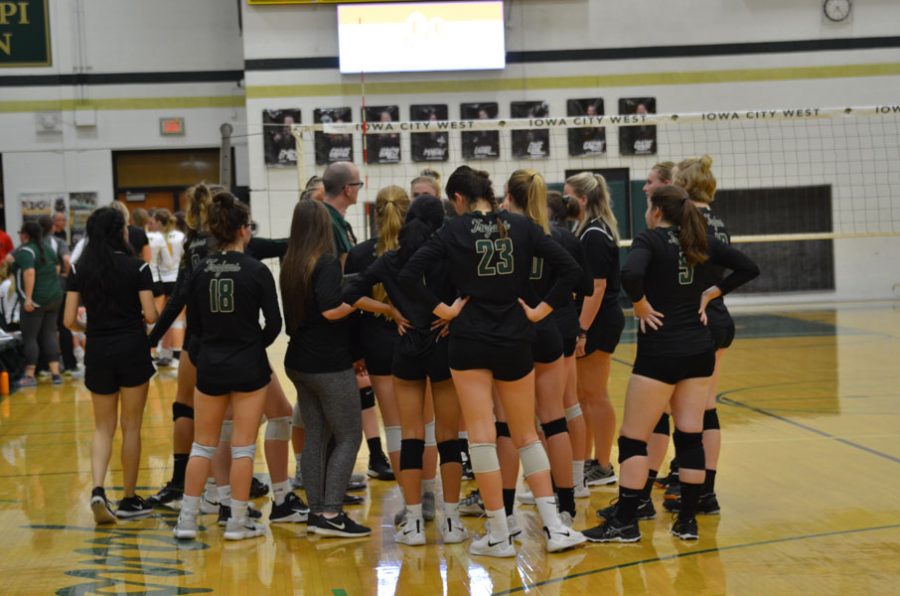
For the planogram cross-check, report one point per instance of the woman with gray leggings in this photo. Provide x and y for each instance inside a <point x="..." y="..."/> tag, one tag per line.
<point x="318" y="362"/>
<point x="37" y="283"/>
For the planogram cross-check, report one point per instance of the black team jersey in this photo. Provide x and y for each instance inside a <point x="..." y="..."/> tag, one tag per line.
<point x="123" y="315"/>
<point x="718" y="314"/>
<point x="360" y="257"/>
<point x="566" y="316"/>
<point x="227" y="291"/>
<point x="656" y="268"/>
<point x="601" y="253"/>
<point x="492" y="268"/>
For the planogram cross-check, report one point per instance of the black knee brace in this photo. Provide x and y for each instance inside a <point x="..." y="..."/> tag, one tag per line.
<point x="180" y="410"/>
<point x="711" y="419"/>
<point x="502" y="429"/>
<point x="366" y="398"/>
<point x="411" y="451"/>
<point x="689" y="450"/>
<point x="450" y="452"/>
<point x="629" y="448"/>
<point x="662" y="427"/>
<point x="555" y="427"/>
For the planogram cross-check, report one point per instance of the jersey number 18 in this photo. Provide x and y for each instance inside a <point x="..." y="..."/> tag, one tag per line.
<point x="221" y="295"/>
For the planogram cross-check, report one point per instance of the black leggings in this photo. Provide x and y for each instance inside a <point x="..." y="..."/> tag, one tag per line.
<point x="39" y="333"/>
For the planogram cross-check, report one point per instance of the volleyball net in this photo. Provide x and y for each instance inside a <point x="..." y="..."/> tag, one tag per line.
<point x="791" y="181"/>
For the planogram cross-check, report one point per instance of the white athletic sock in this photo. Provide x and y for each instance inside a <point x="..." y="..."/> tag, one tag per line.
<point x="451" y="510"/>
<point x="577" y="473"/>
<point x="499" y="527"/>
<point x="428" y="486"/>
<point x="225" y="495"/>
<point x="414" y="512"/>
<point x="190" y="505"/>
<point x="280" y="491"/>
<point x="546" y="506"/>
<point x="238" y="509"/>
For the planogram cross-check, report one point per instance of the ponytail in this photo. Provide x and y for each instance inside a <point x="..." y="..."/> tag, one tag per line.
<point x="391" y="205"/>
<point x="529" y="192"/>
<point x="598" y="204"/>
<point x="677" y="209"/>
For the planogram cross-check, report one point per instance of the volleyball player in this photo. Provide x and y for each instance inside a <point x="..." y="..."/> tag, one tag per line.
<point x="695" y="176"/>
<point x="319" y="364"/>
<point x="228" y="290"/>
<point x="116" y="289"/>
<point x="561" y="212"/>
<point x="166" y="249"/>
<point x="670" y="280"/>
<point x="420" y="355"/>
<point x="600" y="321"/>
<point x="490" y="256"/>
<point x="526" y="194"/>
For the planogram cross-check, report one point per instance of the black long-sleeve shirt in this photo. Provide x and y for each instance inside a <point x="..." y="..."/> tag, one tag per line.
<point x="656" y="268"/>
<point x="566" y="316"/>
<point x="492" y="269"/>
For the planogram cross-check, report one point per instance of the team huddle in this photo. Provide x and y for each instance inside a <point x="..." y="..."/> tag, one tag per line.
<point x="486" y="325"/>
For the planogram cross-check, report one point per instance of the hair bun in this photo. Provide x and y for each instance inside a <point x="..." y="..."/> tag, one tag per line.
<point x="706" y="161"/>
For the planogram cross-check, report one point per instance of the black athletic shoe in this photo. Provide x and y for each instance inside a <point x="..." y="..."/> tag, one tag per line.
<point x="292" y="510"/>
<point x="133" y="507"/>
<point x="673" y="491"/>
<point x="685" y="529"/>
<point x="380" y="467"/>
<point x="707" y="505"/>
<point x="103" y="513"/>
<point x="467" y="473"/>
<point x="341" y="526"/>
<point x="225" y="513"/>
<point x="169" y="496"/>
<point x="353" y="499"/>
<point x="258" y="488"/>
<point x="612" y="530"/>
<point x="645" y="510"/>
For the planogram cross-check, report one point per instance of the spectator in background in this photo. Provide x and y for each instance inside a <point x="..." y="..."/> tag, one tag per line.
<point x="61" y="249"/>
<point x="6" y="244"/>
<point x="60" y="230"/>
<point x="137" y="237"/>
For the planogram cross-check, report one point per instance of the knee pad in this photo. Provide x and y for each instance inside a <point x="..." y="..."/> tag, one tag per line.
<point x="573" y="412"/>
<point x="629" y="448"/>
<point x="411" y="451"/>
<point x="243" y="451"/>
<point x="225" y="431"/>
<point x="206" y="451"/>
<point x="393" y="437"/>
<point x="689" y="450"/>
<point x="662" y="427"/>
<point x="484" y="458"/>
<point x="430" y="441"/>
<point x="297" y="418"/>
<point x="366" y="398"/>
<point x="450" y="452"/>
<point x="502" y="429"/>
<point x="711" y="419"/>
<point x="279" y="429"/>
<point x="534" y="459"/>
<point x="555" y="427"/>
<point x="180" y="410"/>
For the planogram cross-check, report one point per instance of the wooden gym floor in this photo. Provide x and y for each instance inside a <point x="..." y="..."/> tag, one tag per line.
<point x="809" y="482"/>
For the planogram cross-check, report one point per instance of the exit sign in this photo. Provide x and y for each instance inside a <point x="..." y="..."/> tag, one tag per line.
<point x="171" y="126"/>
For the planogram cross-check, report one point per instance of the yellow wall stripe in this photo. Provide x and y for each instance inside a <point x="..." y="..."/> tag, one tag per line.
<point x="124" y="103"/>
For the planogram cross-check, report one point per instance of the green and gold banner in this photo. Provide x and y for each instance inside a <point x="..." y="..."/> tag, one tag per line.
<point x="24" y="33"/>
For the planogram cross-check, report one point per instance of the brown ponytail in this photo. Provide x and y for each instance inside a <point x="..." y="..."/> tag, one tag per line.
<point x="529" y="192"/>
<point x="677" y="209"/>
<point x="391" y="205"/>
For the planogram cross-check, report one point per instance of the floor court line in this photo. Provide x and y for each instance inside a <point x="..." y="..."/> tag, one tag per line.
<point x="695" y="553"/>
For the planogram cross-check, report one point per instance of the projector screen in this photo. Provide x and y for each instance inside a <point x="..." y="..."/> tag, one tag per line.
<point x="421" y="36"/>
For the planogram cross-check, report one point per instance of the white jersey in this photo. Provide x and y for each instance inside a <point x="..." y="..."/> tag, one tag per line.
<point x="166" y="251"/>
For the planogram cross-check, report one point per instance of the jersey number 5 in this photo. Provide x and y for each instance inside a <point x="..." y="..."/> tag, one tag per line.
<point x="685" y="271"/>
<point x="221" y="295"/>
<point x="503" y="249"/>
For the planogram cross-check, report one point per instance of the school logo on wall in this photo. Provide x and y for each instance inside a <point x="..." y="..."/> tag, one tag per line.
<point x="24" y="33"/>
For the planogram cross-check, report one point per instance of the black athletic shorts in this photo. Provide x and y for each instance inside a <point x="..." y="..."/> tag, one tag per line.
<point x="720" y="323"/>
<point x="605" y="331"/>
<point x="210" y="383"/>
<point x="569" y="346"/>
<point x="671" y="369"/>
<point x="548" y="342"/>
<point x="507" y="363"/>
<point x="420" y="354"/>
<point x="158" y="289"/>
<point x="114" y="362"/>
<point x="168" y="288"/>
<point x="378" y="341"/>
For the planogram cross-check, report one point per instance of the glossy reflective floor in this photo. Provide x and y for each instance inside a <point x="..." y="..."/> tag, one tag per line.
<point x="809" y="483"/>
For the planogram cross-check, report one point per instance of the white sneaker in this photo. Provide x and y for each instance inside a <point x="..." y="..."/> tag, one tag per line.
<point x="560" y="539"/>
<point x="525" y="497"/>
<point x="208" y="504"/>
<point x="240" y="529"/>
<point x="512" y="524"/>
<point x="452" y="531"/>
<point x="566" y="518"/>
<point x="582" y="492"/>
<point x="487" y="547"/>
<point x="185" y="527"/>
<point x="412" y="533"/>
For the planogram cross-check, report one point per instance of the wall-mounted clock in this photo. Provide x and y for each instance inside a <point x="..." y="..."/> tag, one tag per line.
<point x="837" y="10"/>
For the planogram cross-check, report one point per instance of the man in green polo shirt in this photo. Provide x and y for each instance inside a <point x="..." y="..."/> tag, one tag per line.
<point x="342" y="186"/>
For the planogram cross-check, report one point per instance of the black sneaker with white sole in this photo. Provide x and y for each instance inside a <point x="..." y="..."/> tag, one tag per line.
<point x="291" y="510"/>
<point x="133" y="507"/>
<point x="258" y="488"/>
<point x="612" y="530"/>
<point x="103" y="513"/>
<point x="341" y="526"/>
<point x="380" y="467"/>
<point x="645" y="510"/>
<point x="169" y="496"/>
<point x="225" y="513"/>
<point x="686" y="529"/>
